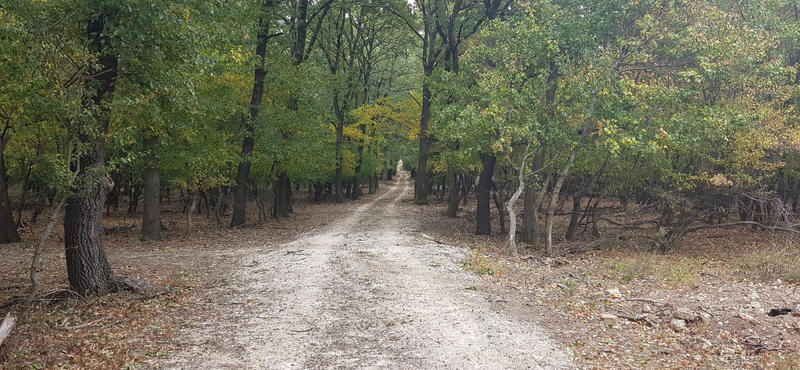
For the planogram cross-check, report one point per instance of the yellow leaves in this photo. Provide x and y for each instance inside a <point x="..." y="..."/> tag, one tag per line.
<point x="238" y="55"/>
<point x="719" y="180"/>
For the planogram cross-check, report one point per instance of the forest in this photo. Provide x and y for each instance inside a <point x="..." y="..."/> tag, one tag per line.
<point x="529" y="131"/>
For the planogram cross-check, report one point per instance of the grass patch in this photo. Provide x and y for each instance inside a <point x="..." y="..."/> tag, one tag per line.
<point x="781" y="361"/>
<point x="652" y="266"/>
<point x="480" y="263"/>
<point x="778" y="262"/>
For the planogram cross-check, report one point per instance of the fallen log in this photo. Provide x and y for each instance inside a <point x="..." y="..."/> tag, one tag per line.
<point x="6" y="327"/>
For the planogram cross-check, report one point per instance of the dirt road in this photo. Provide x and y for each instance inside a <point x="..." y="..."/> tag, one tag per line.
<point x="367" y="293"/>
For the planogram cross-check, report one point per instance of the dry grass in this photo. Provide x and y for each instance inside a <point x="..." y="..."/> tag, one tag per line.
<point x="775" y="262"/>
<point x="680" y="271"/>
<point x="782" y="362"/>
<point x="482" y="264"/>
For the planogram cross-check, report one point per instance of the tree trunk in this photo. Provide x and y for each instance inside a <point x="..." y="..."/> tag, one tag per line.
<point x="243" y="174"/>
<point x="192" y="205"/>
<point x="283" y="194"/>
<point x="528" y="216"/>
<point x="551" y="208"/>
<point x="576" y="213"/>
<point x="8" y="230"/>
<point x="512" y="228"/>
<point x="133" y="201"/>
<point x="452" y="196"/>
<point x="37" y="254"/>
<point x="88" y="269"/>
<point x="484" y="213"/>
<point x="385" y="172"/>
<point x="421" y="181"/>
<point x="339" y="160"/>
<point x="499" y="204"/>
<point x="151" y="212"/>
<point x="372" y="182"/>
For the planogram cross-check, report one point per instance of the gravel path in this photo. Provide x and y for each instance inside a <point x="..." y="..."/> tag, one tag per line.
<point x="367" y="293"/>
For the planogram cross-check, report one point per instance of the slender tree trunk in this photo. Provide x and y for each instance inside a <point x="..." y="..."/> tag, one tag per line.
<point x="88" y="269"/>
<point x="243" y="174"/>
<point x="551" y="208"/>
<point x="339" y="152"/>
<point x="564" y="172"/>
<point x="512" y="228"/>
<point x="484" y="213"/>
<point x="8" y="229"/>
<point x="192" y="205"/>
<point x="452" y="196"/>
<point x="576" y="213"/>
<point x="25" y="186"/>
<point x="151" y="212"/>
<point x="37" y="254"/>
<point x="357" y="179"/>
<point x="498" y="202"/>
<point x="385" y="172"/>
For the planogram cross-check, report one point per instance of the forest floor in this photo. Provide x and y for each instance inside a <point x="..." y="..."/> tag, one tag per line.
<point x="616" y="304"/>
<point x="383" y="283"/>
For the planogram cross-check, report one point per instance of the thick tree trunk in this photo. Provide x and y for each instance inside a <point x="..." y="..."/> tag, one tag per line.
<point x="484" y="213"/>
<point x="452" y="196"/>
<point x="528" y="220"/>
<point x="151" y="212"/>
<point x="8" y="229"/>
<point x="421" y="181"/>
<point x="283" y="195"/>
<point x="372" y="184"/>
<point x="88" y="269"/>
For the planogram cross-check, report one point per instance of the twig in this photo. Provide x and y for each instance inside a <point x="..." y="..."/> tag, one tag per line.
<point x="81" y="326"/>
<point x="646" y="300"/>
<point x="640" y="318"/>
<point x="304" y="330"/>
<point x="159" y="294"/>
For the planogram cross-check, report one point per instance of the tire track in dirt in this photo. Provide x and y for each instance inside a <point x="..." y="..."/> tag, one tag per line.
<point x="364" y="293"/>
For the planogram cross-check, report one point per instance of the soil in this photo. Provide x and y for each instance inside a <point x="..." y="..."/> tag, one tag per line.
<point x="367" y="292"/>
<point x="383" y="283"/>
<point x="707" y="275"/>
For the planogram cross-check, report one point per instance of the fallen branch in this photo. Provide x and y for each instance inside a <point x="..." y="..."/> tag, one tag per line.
<point x="743" y="223"/>
<point x="646" y="300"/>
<point x="629" y="225"/>
<point x="640" y="318"/>
<point x="6" y="327"/>
<point x="81" y="326"/>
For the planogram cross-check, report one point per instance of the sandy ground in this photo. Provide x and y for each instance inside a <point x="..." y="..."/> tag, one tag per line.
<point x="367" y="292"/>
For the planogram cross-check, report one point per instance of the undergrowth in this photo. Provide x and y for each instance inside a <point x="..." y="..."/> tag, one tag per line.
<point x="480" y="263"/>
<point x="776" y="262"/>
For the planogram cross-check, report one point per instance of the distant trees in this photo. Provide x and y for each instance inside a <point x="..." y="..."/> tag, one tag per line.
<point x="687" y="106"/>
